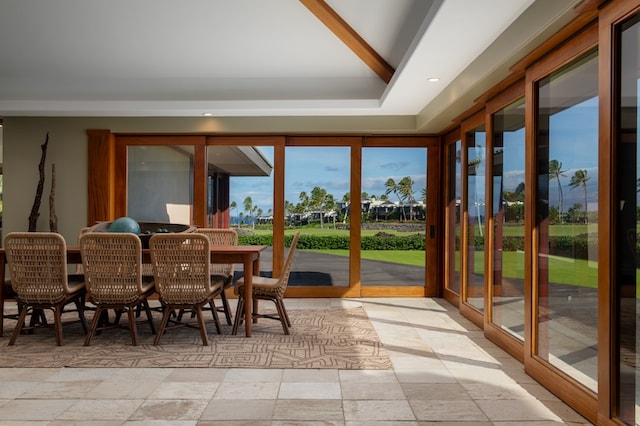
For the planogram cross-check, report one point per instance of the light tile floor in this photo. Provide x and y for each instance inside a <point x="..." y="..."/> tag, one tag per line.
<point x="444" y="372"/>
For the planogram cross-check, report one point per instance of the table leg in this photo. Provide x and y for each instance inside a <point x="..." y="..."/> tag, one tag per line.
<point x="248" y="294"/>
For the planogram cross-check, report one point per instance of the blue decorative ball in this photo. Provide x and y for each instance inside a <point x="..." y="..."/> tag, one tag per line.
<point x="125" y="224"/>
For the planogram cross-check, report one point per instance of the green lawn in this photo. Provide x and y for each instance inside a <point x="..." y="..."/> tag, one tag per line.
<point x="403" y="257"/>
<point x="563" y="270"/>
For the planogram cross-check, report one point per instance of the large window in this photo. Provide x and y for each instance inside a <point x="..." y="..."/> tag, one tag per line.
<point x="507" y="207"/>
<point x="317" y="202"/>
<point x="475" y="141"/>
<point x="393" y="204"/>
<point x="567" y="220"/>
<point x="628" y="219"/>
<point x="160" y="183"/>
<point x="453" y="216"/>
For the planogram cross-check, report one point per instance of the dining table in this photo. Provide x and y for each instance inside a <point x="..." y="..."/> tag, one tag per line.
<point x="247" y="255"/>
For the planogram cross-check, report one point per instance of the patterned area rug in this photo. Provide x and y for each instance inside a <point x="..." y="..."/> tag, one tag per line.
<point x="337" y="338"/>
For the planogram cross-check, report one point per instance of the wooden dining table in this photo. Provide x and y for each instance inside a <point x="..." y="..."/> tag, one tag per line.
<point x="247" y="255"/>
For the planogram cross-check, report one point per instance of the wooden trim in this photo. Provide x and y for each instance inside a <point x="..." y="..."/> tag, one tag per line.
<point x="278" y="208"/>
<point x="100" y="179"/>
<point x="612" y="15"/>
<point x="350" y="38"/>
<point x="572" y="393"/>
<point x="575" y="394"/>
<point x="317" y="140"/>
<point x="355" y="221"/>
<point x="587" y="6"/>
<point x="399" y="141"/>
<point x="506" y="341"/>
<point x="381" y="291"/>
<point x="505" y="98"/>
<point x="494" y="332"/>
<point x="467" y="310"/>
<point x="505" y="86"/>
<point x="200" y="172"/>
<point x="434" y="218"/>
<point x="552" y="44"/>
<point x="448" y="264"/>
<point x="161" y="140"/>
<point x="489" y="242"/>
<point x="245" y="140"/>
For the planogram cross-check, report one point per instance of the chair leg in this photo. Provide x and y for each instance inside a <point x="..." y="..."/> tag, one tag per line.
<point x="225" y="306"/>
<point x="284" y="310"/>
<point x="282" y="315"/>
<point x="16" y="331"/>
<point x="133" y="329"/>
<point x="83" y="319"/>
<point x="57" y="324"/>
<point x="149" y="315"/>
<point x="166" y="313"/>
<point x="97" y="319"/>
<point x="214" y="313"/>
<point x="201" y="325"/>
<point x="239" y="315"/>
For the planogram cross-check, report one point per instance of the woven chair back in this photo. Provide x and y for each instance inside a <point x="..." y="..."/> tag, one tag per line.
<point x="37" y="264"/>
<point x="220" y="237"/>
<point x="283" y="280"/>
<point x="112" y="264"/>
<point x="181" y="264"/>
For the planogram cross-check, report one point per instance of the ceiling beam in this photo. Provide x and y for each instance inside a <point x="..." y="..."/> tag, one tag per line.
<point x="349" y="37"/>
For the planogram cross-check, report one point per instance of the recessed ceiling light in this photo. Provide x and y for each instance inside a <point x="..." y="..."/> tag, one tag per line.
<point x="433" y="79"/>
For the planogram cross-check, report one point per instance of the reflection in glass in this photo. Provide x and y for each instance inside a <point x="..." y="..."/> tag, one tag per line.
<point x="567" y="219"/>
<point x="627" y="171"/>
<point x="454" y="199"/>
<point x="507" y="209"/>
<point x="476" y="165"/>
<point x="160" y="183"/>
<point x="317" y="185"/>
<point x="393" y="201"/>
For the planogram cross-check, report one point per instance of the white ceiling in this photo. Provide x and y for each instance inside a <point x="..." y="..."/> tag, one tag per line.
<point x="260" y="57"/>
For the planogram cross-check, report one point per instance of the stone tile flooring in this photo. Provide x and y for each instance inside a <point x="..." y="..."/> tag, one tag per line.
<point x="444" y="372"/>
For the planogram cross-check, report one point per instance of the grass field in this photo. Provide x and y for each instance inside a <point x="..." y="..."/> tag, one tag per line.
<point x="582" y="273"/>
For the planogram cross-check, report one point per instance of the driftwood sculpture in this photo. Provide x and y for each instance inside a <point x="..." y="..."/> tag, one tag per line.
<point x="53" y="219"/>
<point x="35" y="209"/>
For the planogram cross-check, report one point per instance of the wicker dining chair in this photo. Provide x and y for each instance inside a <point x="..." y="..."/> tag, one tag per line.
<point x="181" y="270"/>
<point x="265" y="288"/>
<point x="37" y="264"/>
<point x="112" y="265"/>
<point x="224" y="271"/>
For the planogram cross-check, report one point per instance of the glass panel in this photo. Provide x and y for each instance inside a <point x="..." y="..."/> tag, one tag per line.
<point x="160" y="183"/>
<point x="627" y="173"/>
<point x="454" y="198"/>
<point x="240" y="195"/>
<point x="476" y="164"/>
<point x="567" y="216"/>
<point x="317" y="195"/>
<point x="393" y="216"/>
<point x="508" y="219"/>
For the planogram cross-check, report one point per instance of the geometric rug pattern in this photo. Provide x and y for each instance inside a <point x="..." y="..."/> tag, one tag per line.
<point x="333" y="338"/>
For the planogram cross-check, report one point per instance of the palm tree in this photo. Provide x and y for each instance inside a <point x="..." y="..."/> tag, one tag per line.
<point x="304" y="202"/>
<point x="555" y="172"/>
<point x="234" y="206"/>
<point x="405" y="187"/>
<point x="394" y="188"/>
<point x="580" y="178"/>
<point x="316" y="202"/>
<point x="347" y="201"/>
<point x="249" y="208"/>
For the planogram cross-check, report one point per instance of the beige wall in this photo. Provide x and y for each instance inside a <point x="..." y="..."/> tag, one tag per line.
<point x="23" y="136"/>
